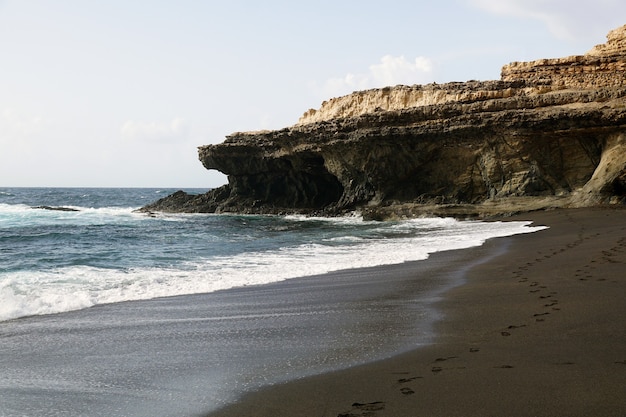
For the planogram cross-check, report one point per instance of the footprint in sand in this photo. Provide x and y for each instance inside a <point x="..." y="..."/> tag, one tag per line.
<point x="511" y="327"/>
<point x="363" y="409"/>
<point x="405" y="380"/>
<point x="407" y="391"/>
<point x="437" y="369"/>
<point x="445" y="359"/>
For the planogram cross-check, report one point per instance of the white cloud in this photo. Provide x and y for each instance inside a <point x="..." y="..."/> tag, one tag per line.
<point x="391" y="70"/>
<point x="397" y="70"/>
<point x="565" y="19"/>
<point x="139" y="131"/>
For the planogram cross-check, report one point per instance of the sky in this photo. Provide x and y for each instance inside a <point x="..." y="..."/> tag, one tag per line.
<point x="119" y="93"/>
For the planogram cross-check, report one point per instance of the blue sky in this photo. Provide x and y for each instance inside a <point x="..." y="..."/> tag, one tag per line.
<point x="121" y="93"/>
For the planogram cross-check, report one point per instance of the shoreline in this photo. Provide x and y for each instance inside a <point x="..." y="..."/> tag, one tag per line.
<point x="537" y="330"/>
<point x="191" y="354"/>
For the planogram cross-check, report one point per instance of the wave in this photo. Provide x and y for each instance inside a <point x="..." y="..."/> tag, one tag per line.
<point x="18" y="215"/>
<point x="25" y="293"/>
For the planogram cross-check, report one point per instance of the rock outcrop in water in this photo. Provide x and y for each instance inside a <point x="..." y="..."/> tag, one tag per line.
<point x="549" y="133"/>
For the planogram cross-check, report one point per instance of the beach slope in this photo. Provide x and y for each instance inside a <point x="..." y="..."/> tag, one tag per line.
<point x="537" y="331"/>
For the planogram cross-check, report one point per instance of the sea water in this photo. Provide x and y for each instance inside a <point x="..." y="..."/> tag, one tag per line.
<point x="53" y="261"/>
<point x="90" y="321"/>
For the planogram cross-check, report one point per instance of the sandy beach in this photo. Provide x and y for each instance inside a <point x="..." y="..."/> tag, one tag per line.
<point x="537" y="330"/>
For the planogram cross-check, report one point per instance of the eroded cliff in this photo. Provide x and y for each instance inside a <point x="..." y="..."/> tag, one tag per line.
<point x="549" y="133"/>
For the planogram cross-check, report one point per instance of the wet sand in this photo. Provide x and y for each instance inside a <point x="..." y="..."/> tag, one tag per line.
<point x="539" y="330"/>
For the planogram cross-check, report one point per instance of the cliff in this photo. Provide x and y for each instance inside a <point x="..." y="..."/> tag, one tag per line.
<point x="549" y="133"/>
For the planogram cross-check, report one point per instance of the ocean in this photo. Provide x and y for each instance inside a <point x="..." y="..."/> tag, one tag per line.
<point x="105" y="311"/>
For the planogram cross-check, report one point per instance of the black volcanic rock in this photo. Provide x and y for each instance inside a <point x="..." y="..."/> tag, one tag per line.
<point x="55" y="208"/>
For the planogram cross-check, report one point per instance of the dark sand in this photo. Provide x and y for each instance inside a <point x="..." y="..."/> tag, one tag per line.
<point x="537" y="331"/>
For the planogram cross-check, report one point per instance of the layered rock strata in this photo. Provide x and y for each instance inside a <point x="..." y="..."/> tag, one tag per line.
<point x="550" y="133"/>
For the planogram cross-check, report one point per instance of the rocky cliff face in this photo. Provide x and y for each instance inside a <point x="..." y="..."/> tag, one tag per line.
<point x="549" y="133"/>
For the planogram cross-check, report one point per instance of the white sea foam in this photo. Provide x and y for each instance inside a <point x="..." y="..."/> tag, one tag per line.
<point x="12" y="215"/>
<point x="26" y="293"/>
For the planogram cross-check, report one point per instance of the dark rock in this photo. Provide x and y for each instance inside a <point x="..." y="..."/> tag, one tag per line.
<point x="55" y="208"/>
<point x="182" y="202"/>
